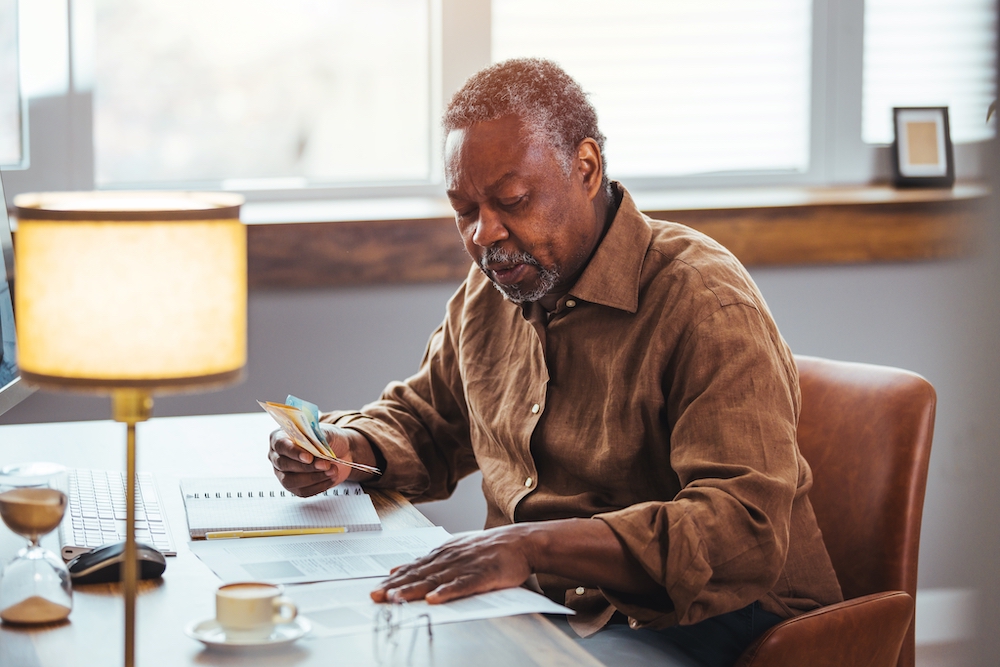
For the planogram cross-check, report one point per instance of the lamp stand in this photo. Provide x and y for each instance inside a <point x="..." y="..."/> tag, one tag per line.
<point x="130" y="406"/>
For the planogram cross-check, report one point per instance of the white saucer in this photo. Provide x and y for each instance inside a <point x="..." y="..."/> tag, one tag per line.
<point x="211" y="634"/>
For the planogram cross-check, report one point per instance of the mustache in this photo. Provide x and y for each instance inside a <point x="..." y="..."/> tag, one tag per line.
<point x="495" y="255"/>
<point x="547" y="278"/>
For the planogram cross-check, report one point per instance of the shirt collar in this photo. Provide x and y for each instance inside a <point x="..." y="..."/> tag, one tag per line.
<point x="611" y="278"/>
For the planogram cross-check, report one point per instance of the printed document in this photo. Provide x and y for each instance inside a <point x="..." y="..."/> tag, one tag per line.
<point x="308" y="558"/>
<point x="345" y="607"/>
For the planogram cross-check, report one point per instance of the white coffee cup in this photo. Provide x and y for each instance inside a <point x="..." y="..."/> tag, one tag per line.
<point x="250" y="610"/>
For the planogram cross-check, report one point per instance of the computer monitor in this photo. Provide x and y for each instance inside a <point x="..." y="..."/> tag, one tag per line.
<point x="12" y="389"/>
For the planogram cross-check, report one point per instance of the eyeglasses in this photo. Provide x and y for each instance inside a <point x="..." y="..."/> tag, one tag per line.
<point x="390" y="622"/>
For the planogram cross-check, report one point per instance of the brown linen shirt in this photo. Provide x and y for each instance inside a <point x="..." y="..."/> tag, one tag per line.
<point x="657" y="397"/>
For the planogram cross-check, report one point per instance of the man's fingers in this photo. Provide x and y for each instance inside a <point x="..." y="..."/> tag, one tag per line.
<point x="411" y="592"/>
<point x="281" y="444"/>
<point x="402" y="576"/>
<point x="460" y="587"/>
<point x="299" y="471"/>
<point x="402" y="579"/>
<point x="288" y="464"/>
<point x="437" y="588"/>
<point x="428" y="578"/>
<point x="416" y="587"/>
<point x="287" y="456"/>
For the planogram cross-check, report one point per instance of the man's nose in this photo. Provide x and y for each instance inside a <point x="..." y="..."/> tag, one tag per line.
<point x="489" y="228"/>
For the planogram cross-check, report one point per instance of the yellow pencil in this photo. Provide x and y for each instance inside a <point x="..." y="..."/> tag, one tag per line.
<point x="278" y="532"/>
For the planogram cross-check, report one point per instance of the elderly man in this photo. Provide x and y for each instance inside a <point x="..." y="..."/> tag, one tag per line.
<point x="622" y="387"/>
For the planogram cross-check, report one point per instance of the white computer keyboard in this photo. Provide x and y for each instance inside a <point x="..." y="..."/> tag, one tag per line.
<point x="96" y="513"/>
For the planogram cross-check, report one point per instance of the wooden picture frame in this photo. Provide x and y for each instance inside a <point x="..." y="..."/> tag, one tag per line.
<point x="922" y="153"/>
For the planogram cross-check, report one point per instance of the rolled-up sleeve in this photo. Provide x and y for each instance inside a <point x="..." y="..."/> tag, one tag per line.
<point x="421" y="426"/>
<point x="721" y="542"/>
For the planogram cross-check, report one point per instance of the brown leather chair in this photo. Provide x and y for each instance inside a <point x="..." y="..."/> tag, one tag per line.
<point x="866" y="432"/>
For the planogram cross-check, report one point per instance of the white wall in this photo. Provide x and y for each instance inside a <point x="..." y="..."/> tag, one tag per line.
<point x="915" y="316"/>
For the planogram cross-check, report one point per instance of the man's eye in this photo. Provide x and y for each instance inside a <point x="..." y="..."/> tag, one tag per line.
<point x="512" y="202"/>
<point x="465" y="214"/>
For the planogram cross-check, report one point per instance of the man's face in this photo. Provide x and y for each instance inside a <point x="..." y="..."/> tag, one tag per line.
<point x="528" y="225"/>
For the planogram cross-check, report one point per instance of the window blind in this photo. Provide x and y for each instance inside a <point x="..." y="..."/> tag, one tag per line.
<point x="929" y="53"/>
<point x="680" y="87"/>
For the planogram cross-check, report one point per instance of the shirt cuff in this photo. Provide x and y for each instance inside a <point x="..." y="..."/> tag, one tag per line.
<point x="401" y="468"/>
<point x="653" y="610"/>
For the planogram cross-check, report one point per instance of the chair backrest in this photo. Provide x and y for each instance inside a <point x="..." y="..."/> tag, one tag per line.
<point x="866" y="432"/>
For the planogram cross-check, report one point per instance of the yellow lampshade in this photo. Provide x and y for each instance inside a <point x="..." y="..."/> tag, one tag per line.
<point x="130" y="289"/>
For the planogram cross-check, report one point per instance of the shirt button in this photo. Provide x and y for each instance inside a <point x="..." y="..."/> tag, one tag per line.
<point x="535" y="408"/>
<point x="527" y="482"/>
<point x="581" y="590"/>
<point x="571" y="304"/>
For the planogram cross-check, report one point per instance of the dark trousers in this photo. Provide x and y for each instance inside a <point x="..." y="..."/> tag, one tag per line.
<point x="714" y="642"/>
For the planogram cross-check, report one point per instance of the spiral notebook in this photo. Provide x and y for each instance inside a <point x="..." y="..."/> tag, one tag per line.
<point x="217" y="506"/>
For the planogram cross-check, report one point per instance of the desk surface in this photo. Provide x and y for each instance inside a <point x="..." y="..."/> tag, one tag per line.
<point x="234" y="445"/>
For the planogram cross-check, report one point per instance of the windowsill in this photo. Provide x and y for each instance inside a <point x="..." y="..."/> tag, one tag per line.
<point x="413" y="240"/>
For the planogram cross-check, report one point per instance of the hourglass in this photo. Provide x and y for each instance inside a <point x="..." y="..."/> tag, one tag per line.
<point x="35" y="586"/>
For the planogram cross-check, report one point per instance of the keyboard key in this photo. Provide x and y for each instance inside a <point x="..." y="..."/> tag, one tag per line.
<point x="97" y="503"/>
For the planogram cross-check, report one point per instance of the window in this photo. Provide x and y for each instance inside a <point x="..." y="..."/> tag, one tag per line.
<point x="271" y="92"/>
<point x="929" y="53"/>
<point x="319" y="99"/>
<point x="680" y="87"/>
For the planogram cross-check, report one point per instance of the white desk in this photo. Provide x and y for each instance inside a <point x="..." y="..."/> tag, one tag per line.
<point x="234" y="445"/>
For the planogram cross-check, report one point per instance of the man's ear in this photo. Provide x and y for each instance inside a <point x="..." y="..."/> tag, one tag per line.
<point x="590" y="166"/>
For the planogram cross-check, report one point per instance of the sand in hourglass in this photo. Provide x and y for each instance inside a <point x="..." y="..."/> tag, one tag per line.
<point x="35" y="609"/>
<point x="31" y="513"/>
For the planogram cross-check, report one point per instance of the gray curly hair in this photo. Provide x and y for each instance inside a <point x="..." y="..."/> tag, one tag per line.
<point x="550" y="104"/>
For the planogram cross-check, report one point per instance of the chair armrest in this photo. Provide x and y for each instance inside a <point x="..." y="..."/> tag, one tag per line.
<point x="867" y="631"/>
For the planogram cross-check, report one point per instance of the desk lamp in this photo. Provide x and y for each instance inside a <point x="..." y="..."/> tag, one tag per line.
<point x="130" y="294"/>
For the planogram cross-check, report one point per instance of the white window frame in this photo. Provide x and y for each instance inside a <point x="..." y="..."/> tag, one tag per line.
<point x="61" y="146"/>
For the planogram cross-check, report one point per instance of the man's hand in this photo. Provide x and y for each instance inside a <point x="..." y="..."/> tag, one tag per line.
<point x="305" y="475"/>
<point x="585" y="551"/>
<point x="481" y="562"/>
